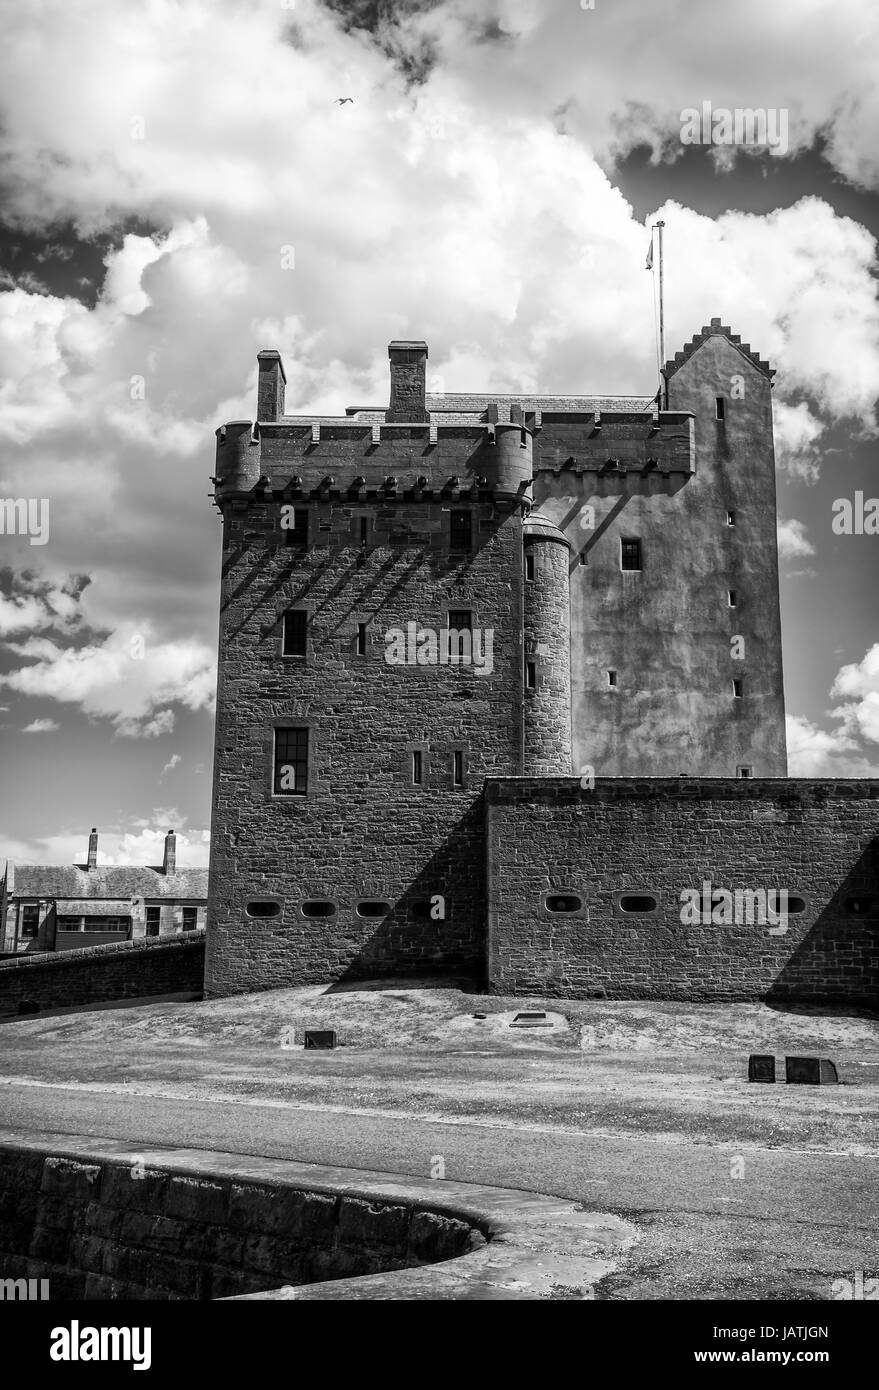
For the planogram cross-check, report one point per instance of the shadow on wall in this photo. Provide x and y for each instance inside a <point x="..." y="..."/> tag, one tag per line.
<point x="838" y="958"/>
<point x="409" y="940"/>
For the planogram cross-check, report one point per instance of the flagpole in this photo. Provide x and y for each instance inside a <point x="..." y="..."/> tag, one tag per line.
<point x="663" y="402"/>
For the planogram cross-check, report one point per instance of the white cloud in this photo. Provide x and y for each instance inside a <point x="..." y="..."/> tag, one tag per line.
<point x="858" y="686"/>
<point x="141" y="845"/>
<point x="472" y="210"/>
<point x="797" y="431"/>
<point x="41" y="726"/>
<point x="816" y="752"/>
<point x="110" y="680"/>
<point x="793" y="541"/>
<point x="174" y="761"/>
<point x="844" y="751"/>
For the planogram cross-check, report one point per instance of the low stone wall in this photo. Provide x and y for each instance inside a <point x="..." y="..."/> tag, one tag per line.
<point x="237" y="1225"/>
<point x="613" y="849"/>
<point x="110" y="1229"/>
<point x="95" y="974"/>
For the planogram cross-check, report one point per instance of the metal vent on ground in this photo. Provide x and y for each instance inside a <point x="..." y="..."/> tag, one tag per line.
<point x="531" y="1019"/>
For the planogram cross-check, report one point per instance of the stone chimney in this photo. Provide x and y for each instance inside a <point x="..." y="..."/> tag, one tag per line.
<point x="92" y="861"/>
<point x="408" y="383"/>
<point x="272" y="382"/>
<point x="169" y="863"/>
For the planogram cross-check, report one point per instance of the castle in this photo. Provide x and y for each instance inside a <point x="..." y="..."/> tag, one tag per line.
<point x="500" y="681"/>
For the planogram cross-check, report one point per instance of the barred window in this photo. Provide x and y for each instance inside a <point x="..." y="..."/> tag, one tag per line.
<point x="630" y="554"/>
<point x="460" y="620"/>
<point x="291" y="762"/>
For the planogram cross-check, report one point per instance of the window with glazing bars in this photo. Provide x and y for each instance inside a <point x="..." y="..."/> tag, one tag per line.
<point x="291" y="762"/>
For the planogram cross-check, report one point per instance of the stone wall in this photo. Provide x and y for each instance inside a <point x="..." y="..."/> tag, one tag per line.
<point x="817" y="840"/>
<point x="109" y="1230"/>
<point x="364" y="832"/>
<point x="121" y="970"/>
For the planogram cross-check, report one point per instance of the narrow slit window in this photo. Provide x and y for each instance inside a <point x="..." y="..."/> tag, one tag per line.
<point x="417" y="768"/>
<point x="630" y="554"/>
<point x="364" y="531"/>
<point x="737" y="687"/>
<point x="460" y="529"/>
<point x="719" y="408"/>
<point x="529" y="567"/>
<point x="361" y="639"/>
<point x="730" y="518"/>
<point x="733" y="599"/>
<point x="458" y="768"/>
<point x="531" y="675"/>
<point x="612" y="679"/>
<point x="583" y="558"/>
<point x="297" y="534"/>
<point x="295" y="633"/>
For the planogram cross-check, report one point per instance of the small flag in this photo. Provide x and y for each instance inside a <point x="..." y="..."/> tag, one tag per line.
<point x="649" y="265"/>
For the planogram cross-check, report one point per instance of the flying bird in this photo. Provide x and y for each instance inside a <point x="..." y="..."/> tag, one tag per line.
<point x="340" y="101"/>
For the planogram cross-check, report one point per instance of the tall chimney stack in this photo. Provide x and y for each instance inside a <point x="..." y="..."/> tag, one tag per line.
<point x="408" y="383"/>
<point x="272" y="383"/>
<point x="169" y="864"/>
<point x="92" y="861"/>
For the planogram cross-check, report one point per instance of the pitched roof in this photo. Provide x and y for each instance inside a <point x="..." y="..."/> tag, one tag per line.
<point x="716" y="329"/>
<point x="113" y="881"/>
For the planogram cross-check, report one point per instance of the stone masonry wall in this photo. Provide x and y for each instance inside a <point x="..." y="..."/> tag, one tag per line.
<point x="109" y="1230"/>
<point x="547" y="626"/>
<point x="817" y="840"/>
<point x="123" y="970"/>
<point x="364" y="831"/>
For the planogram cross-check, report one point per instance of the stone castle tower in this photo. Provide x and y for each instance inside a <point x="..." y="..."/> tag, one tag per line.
<point x="612" y="567"/>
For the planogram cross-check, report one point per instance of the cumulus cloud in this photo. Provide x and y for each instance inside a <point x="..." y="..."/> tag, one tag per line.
<point x="129" y="678"/>
<point x="32" y="604"/>
<point x="817" y="752"/>
<point x="173" y="761"/>
<point x="141" y="846"/>
<point x="793" y="541"/>
<point x="474" y="207"/>
<point x="858" y="686"/>
<point x="849" y="749"/>
<point x="41" y="726"/>
<point x="797" y="431"/>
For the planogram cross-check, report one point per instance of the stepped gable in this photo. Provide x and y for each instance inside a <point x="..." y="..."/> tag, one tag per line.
<point x="710" y="330"/>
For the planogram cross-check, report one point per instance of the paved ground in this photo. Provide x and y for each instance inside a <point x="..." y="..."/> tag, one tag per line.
<point x="738" y="1190"/>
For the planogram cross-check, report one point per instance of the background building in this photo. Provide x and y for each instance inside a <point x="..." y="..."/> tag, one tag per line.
<point x="63" y="906"/>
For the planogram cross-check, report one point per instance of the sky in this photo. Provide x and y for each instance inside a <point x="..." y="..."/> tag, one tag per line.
<point x="181" y="186"/>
